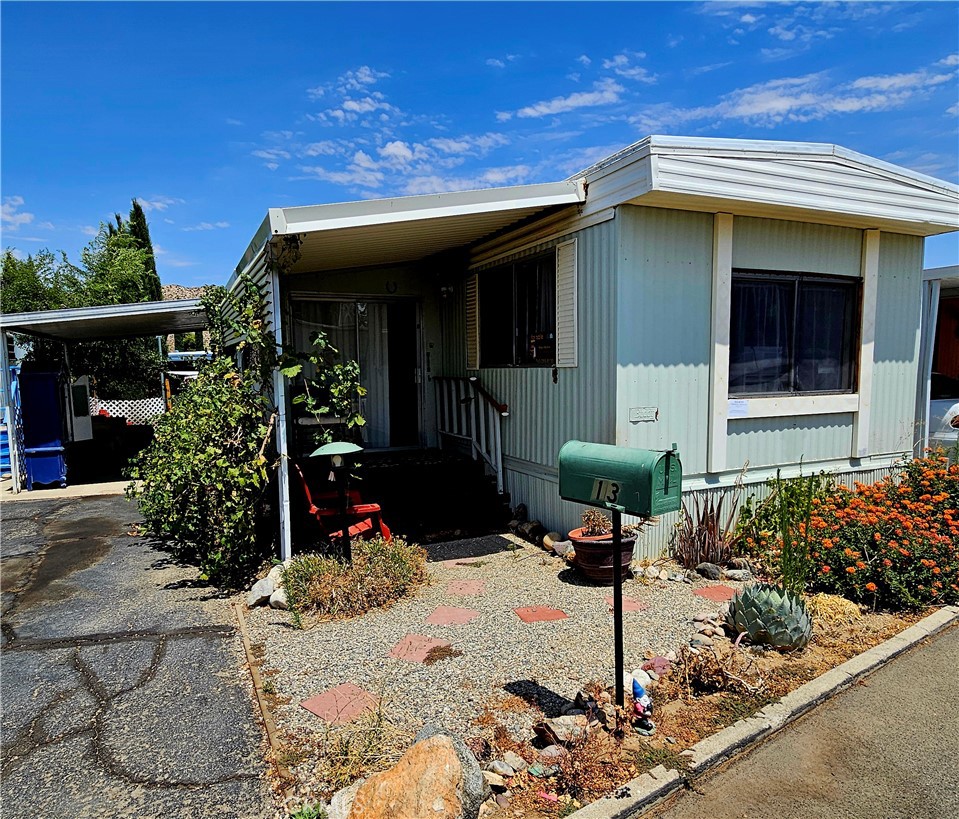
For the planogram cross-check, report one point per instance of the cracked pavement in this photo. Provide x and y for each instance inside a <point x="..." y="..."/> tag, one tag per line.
<point x="123" y="690"/>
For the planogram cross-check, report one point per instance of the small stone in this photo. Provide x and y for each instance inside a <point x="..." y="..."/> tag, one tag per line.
<point x="653" y="676"/>
<point x="738" y="563"/>
<point x="502" y="800"/>
<point x="700" y="640"/>
<point x="499" y="766"/>
<point x="702" y="617"/>
<point x="652" y="572"/>
<point x="563" y="547"/>
<point x="260" y="593"/>
<point x="278" y="600"/>
<point x="494" y="780"/>
<point x="553" y="752"/>
<point x="276" y="575"/>
<point x="515" y="761"/>
<point x="642" y="677"/>
<point x="687" y="579"/>
<point x="542" y="771"/>
<point x="671" y="740"/>
<point x="710" y="571"/>
<point x="676" y="577"/>
<point x="739" y="575"/>
<point x="723" y="612"/>
<point x="521" y="514"/>
<point x="513" y="525"/>
<point x="671" y="656"/>
<point x="664" y="575"/>
<point x="550" y="538"/>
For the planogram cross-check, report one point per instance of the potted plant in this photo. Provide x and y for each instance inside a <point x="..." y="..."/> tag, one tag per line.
<point x="593" y="546"/>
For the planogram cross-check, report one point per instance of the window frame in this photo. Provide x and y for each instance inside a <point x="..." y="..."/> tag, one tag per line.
<point x="514" y="268"/>
<point x="798" y="278"/>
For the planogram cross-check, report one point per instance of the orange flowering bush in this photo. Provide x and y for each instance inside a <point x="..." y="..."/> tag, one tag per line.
<point x="894" y="543"/>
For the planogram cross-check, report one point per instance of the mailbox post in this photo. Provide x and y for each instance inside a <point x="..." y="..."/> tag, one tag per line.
<point x="638" y="482"/>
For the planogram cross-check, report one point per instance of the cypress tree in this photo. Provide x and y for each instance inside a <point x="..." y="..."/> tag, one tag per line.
<point x="140" y="231"/>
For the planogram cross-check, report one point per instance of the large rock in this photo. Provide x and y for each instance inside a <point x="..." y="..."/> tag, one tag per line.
<point x="342" y="802"/>
<point x="741" y="575"/>
<point x="710" y="571"/>
<point x="562" y="730"/>
<point x="260" y="593"/>
<point x="276" y="575"/>
<point x="278" y="600"/>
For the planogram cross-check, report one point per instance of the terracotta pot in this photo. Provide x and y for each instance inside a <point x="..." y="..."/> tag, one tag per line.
<point x="594" y="555"/>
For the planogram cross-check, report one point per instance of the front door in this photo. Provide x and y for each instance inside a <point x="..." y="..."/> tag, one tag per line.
<point x="382" y="338"/>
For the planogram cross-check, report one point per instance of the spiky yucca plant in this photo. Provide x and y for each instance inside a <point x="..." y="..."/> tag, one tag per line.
<point x="771" y="615"/>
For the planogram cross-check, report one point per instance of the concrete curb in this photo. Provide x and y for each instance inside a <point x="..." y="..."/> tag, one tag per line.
<point x="645" y="792"/>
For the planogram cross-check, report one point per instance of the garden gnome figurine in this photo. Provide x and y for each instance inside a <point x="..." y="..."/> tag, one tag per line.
<point x="642" y="707"/>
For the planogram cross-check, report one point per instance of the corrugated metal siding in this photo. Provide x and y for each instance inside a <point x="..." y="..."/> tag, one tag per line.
<point x="260" y="276"/>
<point x="895" y="375"/>
<point x="663" y="333"/>
<point x="541" y="495"/>
<point x="544" y="415"/>
<point x="774" y="244"/>
<point x="789" y="440"/>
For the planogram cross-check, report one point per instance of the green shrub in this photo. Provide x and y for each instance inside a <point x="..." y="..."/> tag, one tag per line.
<point x="775" y="531"/>
<point x="380" y="573"/>
<point x="894" y="543"/>
<point x="203" y="478"/>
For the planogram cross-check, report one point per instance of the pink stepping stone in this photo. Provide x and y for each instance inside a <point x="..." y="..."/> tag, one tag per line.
<point x="451" y="616"/>
<point x="414" y="648"/>
<point x="340" y="704"/>
<point x="629" y="604"/>
<point x="536" y="614"/>
<point x="718" y="594"/>
<point x="466" y="587"/>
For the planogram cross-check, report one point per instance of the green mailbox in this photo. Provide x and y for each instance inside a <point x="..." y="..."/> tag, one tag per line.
<point x="641" y="482"/>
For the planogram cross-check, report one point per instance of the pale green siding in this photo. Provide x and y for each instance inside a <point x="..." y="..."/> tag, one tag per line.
<point x="773" y="244"/>
<point x="896" y="368"/>
<point x="784" y="441"/>
<point x="663" y="338"/>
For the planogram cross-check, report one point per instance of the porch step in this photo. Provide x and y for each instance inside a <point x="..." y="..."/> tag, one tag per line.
<point x="430" y="495"/>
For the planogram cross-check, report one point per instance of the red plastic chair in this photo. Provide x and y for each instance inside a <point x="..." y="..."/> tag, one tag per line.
<point x="368" y="517"/>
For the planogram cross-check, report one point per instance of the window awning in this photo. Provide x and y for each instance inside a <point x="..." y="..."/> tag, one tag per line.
<point x="151" y="318"/>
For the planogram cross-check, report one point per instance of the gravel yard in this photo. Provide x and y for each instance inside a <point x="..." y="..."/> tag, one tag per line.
<point x="494" y="655"/>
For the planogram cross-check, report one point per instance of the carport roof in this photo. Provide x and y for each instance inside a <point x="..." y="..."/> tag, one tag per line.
<point x="150" y="318"/>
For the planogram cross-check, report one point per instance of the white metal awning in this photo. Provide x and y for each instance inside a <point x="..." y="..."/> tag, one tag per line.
<point x="151" y="318"/>
<point x="408" y="228"/>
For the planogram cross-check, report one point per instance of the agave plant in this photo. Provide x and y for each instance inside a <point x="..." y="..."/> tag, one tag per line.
<point x="771" y="615"/>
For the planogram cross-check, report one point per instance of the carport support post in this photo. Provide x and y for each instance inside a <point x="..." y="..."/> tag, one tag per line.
<point x="618" y="603"/>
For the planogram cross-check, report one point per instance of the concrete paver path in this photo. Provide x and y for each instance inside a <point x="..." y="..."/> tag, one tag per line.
<point x="886" y="748"/>
<point x="122" y="686"/>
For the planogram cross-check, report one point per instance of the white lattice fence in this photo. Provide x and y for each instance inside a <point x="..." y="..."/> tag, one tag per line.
<point x="136" y="412"/>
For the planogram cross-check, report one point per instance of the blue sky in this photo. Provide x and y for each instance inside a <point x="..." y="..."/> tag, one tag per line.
<point x="210" y="113"/>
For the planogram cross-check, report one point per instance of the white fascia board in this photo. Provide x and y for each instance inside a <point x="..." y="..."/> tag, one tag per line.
<point x="940" y="273"/>
<point x="316" y="218"/>
<point x="11" y="321"/>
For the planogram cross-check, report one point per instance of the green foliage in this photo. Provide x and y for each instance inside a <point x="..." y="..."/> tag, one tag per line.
<point x="381" y="572"/>
<point x="113" y="270"/>
<point x="332" y="391"/>
<point x="140" y="232"/>
<point x="775" y="531"/>
<point x="706" y="533"/>
<point x="894" y="543"/>
<point x="205" y="474"/>
<point x="309" y="812"/>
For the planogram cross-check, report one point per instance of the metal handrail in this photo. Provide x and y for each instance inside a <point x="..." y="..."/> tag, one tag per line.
<point x="468" y="412"/>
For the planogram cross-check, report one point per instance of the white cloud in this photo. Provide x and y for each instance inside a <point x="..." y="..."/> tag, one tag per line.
<point x="89" y="230"/>
<point x="159" y="203"/>
<point x="504" y="116"/>
<point x="674" y="40"/>
<point x="622" y="66"/>
<point x="582" y="58"/>
<point x="706" y="69"/>
<point x="231" y="121"/>
<point x="953" y="110"/>
<point x="491" y="177"/>
<point x="749" y="19"/>
<point x="179" y="263"/>
<point x="271" y="154"/>
<point x="951" y="60"/>
<point x="11" y="215"/>
<point x="355" y="175"/>
<point x="207" y="226"/>
<point x="604" y="92"/>
<point x="494" y="63"/>
<point x="476" y="145"/>
<point x="359" y="79"/>
<point x="315" y="93"/>
<point x="323" y="148"/>
<point x="799" y="99"/>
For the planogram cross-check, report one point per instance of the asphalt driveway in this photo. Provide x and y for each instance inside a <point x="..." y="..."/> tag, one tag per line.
<point x="123" y="691"/>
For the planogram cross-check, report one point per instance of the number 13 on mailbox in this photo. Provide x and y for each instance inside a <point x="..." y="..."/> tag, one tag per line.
<point x="640" y="482"/>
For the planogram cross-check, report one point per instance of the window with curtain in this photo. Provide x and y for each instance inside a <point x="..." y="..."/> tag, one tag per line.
<point x="792" y="333"/>
<point x="517" y="308"/>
